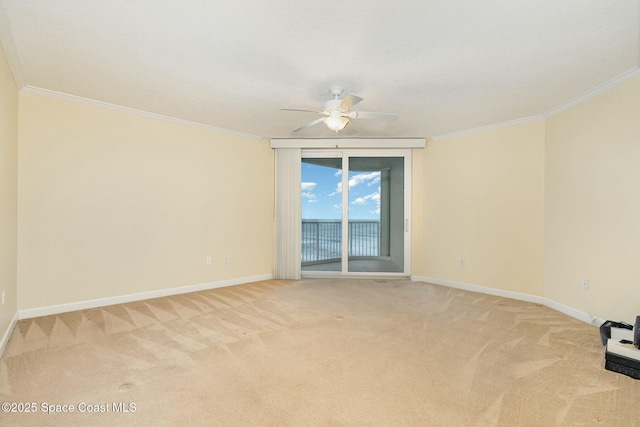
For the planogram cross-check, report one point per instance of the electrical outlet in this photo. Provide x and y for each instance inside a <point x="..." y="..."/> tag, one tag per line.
<point x="208" y="260"/>
<point x="226" y="259"/>
<point x="461" y="261"/>
<point x="585" y="284"/>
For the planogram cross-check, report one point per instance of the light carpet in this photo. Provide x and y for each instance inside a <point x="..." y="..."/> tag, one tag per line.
<point x="316" y="352"/>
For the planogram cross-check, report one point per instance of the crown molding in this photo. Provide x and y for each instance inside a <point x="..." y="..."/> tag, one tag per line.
<point x="616" y="81"/>
<point x="93" y="102"/>
<point x="10" y="52"/>
<point x="500" y="125"/>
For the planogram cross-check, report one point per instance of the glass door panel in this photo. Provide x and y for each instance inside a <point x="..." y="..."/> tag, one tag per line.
<point x="376" y="217"/>
<point x="321" y="214"/>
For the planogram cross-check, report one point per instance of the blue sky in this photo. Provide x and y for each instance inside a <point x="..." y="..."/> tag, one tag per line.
<point x="322" y="193"/>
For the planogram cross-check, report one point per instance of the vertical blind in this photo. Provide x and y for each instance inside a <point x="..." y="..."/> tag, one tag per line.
<point x="288" y="213"/>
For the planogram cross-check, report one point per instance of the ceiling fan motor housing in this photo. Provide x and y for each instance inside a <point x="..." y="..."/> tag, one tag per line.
<point x="334" y="104"/>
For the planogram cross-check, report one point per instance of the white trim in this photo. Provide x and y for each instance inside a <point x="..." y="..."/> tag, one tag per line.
<point x="88" y="101"/>
<point x="7" y="334"/>
<point x="341" y="143"/>
<point x="616" y="81"/>
<point x="319" y="274"/>
<point x="101" y="302"/>
<point x="481" y="289"/>
<point x="500" y="125"/>
<point x="565" y="309"/>
<point x="570" y="311"/>
<point x="408" y="212"/>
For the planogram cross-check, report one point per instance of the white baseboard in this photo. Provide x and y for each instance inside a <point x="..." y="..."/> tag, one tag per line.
<point x="570" y="311"/>
<point x="101" y="302"/>
<point x="480" y="289"/>
<point x="7" y="334"/>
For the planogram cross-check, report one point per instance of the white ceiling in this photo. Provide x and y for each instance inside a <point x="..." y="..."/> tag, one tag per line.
<point x="443" y="66"/>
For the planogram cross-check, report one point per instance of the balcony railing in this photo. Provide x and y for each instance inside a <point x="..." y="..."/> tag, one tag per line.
<point x="322" y="239"/>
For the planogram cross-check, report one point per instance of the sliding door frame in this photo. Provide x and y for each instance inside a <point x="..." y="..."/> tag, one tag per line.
<point x="346" y="154"/>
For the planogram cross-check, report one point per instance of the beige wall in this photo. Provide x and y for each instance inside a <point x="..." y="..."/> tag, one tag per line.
<point x="592" y="210"/>
<point x="8" y="192"/>
<point x="483" y="201"/>
<point x="113" y="203"/>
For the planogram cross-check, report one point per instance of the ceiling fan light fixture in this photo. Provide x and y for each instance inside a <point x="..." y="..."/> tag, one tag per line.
<point x="337" y="112"/>
<point x="336" y="122"/>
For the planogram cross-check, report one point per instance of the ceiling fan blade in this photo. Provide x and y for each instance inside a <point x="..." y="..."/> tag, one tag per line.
<point x="349" y="101"/>
<point x="305" y="111"/>
<point x="371" y="115"/>
<point x="308" y="125"/>
<point x="349" y="129"/>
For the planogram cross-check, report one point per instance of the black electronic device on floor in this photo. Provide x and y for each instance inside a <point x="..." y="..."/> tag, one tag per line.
<point x="606" y="329"/>
<point x="622" y="357"/>
<point x="622" y="342"/>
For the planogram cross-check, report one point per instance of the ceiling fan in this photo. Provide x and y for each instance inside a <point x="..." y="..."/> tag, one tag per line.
<point x="338" y="112"/>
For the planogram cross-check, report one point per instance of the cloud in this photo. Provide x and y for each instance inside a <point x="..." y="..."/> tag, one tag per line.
<point x="369" y="197"/>
<point x="370" y="179"/>
<point x="307" y="191"/>
<point x="359" y="201"/>
<point x="373" y="197"/>
<point x="338" y="190"/>
<point x="311" y="198"/>
<point x="309" y="185"/>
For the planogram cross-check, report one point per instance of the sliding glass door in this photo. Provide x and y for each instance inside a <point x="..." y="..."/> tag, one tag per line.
<point x="355" y="207"/>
